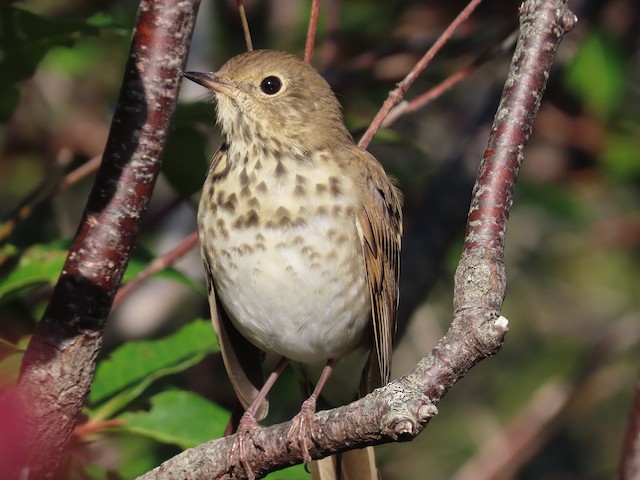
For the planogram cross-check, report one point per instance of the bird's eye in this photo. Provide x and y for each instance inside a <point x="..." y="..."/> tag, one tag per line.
<point x="271" y="85"/>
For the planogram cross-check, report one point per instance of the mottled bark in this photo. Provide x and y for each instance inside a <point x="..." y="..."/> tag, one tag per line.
<point x="59" y="363"/>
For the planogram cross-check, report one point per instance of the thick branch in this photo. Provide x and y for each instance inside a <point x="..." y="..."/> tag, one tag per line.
<point x="58" y="366"/>
<point x="401" y="410"/>
<point x="630" y="460"/>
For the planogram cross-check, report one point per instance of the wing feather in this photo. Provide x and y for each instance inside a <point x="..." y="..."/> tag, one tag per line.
<point x="380" y="227"/>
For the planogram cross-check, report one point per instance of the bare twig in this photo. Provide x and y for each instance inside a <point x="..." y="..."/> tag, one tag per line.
<point x="58" y="365"/>
<point x="245" y="25"/>
<point x="311" y="30"/>
<point x="421" y="101"/>
<point x="37" y="195"/>
<point x="402" y="409"/>
<point x="158" y="264"/>
<point x="396" y="95"/>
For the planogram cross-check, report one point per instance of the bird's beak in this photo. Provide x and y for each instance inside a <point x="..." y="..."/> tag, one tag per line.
<point x="211" y="81"/>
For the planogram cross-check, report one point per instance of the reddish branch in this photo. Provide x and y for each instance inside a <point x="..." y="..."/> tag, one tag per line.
<point x="245" y="25"/>
<point x="311" y="30"/>
<point x="422" y="100"/>
<point x="58" y="366"/>
<point x="157" y="265"/>
<point x="402" y="409"/>
<point x="396" y="95"/>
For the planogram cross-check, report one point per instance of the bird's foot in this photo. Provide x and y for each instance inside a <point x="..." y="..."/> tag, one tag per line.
<point x="238" y="455"/>
<point x="302" y="427"/>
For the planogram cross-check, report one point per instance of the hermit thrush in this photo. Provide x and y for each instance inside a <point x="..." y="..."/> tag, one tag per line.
<point x="300" y="234"/>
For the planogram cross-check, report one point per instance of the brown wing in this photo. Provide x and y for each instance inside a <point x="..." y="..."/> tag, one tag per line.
<point x="242" y="360"/>
<point x="380" y="228"/>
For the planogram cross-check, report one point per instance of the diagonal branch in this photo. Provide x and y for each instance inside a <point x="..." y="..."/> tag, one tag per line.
<point x="396" y="95"/>
<point x="399" y="411"/>
<point x="59" y="363"/>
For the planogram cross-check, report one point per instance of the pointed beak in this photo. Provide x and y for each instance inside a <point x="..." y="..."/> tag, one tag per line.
<point x="211" y="81"/>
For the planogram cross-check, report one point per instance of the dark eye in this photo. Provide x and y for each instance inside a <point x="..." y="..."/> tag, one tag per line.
<point x="271" y="85"/>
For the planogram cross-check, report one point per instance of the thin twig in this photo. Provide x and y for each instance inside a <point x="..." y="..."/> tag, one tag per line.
<point x="311" y="30"/>
<point x="245" y="25"/>
<point x="421" y="101"/>
<point x="158" y="264"/>
<point x="39" y="194"/>
<point x="396" y="95"/>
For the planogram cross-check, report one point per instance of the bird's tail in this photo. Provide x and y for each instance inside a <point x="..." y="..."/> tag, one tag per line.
<point x="357" y="464"/>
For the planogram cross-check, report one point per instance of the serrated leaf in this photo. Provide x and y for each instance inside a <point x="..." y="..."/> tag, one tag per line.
<point x="178" y="417"/>
<point x="133" y="367"/>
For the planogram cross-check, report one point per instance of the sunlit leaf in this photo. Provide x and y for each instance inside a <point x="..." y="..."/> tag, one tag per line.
<point x="178" y="417"/>
<point x="133" y="367"/>
<point x="37" y="265"/>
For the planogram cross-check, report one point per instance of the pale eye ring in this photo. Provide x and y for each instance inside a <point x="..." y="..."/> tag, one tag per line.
<point x="271" y="85"/>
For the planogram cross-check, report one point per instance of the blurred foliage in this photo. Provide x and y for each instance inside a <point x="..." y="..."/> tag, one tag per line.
<point x="572" y="249"/>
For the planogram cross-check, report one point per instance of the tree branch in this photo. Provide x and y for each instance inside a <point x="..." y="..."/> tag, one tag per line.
<point x="59" y="363"/>
<point x="630" y="459"/>
<point x="396" y="95"/>
<point x="399" y="411"/>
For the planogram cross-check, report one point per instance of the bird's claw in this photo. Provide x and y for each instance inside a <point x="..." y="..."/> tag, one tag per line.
<point x="302" y="427"/>
<point x="238" y="455"/>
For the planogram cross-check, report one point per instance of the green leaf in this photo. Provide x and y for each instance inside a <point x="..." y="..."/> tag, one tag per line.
<point x="598" y="72"/>
<point x="621" y="154"/>
<point x="25" y="38"/>
<point x="185" y="419"/>
<point x="556" y="201"/>
<point x="297" y="472"/>
<point x="42" y="264"/>
<point x="9" y="370"/>
<point x="178" y="417"/>
<point x="34" y="266"/>
<point x="133" y="367"/>
<point x="8" y="348"/>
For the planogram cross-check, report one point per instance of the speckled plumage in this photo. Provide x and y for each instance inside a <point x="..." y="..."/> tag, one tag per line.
<point x="300" y="232"/>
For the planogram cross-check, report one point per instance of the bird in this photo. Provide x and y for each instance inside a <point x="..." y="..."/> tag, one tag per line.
<point x="300" y="232"/>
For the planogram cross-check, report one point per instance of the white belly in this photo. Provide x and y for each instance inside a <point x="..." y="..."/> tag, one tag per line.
<point x="302" y="296"/>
